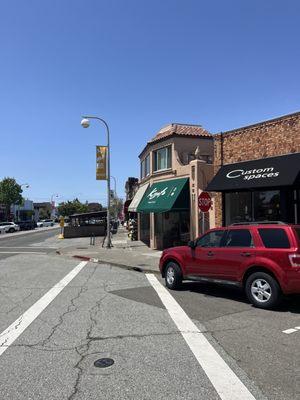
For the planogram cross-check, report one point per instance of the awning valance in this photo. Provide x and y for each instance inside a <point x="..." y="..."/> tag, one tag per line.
<point x="137" y="198"/>
<point x="262" y="173"/>
<point x="171" y="195"/>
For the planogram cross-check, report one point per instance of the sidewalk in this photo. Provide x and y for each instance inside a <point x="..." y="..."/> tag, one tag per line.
<point x="125" y="253"/>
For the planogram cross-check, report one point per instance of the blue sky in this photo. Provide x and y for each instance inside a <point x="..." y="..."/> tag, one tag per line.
<point x="139" y="65"/>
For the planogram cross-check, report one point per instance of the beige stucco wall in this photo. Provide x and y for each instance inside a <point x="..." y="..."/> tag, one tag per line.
<point x="198" y="172"/>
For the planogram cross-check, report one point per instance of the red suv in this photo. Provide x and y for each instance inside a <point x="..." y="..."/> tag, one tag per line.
<point x="263" y="258"/>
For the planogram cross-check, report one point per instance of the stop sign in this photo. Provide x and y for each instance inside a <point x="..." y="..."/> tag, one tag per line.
<point x="204" y="202"/>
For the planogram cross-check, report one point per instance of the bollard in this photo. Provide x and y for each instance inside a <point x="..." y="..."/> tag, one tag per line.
<point x="92" y="240"/>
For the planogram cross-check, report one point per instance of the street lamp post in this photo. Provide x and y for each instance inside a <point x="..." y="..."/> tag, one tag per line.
<point x="85" y="123"/>
<point x="51" y="202"/>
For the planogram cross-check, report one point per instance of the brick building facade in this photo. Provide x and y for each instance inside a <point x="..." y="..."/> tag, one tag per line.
<point x="276" y="137"/>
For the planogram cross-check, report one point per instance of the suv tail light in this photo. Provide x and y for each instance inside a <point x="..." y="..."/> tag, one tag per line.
<point x="294" y="260"/>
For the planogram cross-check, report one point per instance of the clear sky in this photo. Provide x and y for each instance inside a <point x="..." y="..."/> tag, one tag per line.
<point x="139" y="64"/>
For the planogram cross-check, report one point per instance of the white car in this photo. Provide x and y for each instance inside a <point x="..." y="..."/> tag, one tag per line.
<point x="9" y="227"/>
<point x="39" y="224"/>
<point x="47" y="222"/>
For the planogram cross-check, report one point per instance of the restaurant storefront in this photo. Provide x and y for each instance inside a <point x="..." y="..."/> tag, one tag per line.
<point x="265" y="189"/>
<point x="168" y="202"/>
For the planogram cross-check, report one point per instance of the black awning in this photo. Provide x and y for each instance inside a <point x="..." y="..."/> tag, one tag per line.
<point x="262" y="173"/>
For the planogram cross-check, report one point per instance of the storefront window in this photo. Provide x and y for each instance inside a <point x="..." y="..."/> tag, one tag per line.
<point x="266" y="205"/>
<point x="237" y="207"/>
<point x="162" y="159"/>
<point x="172" y="228"/>
<point x="254" y="206"/>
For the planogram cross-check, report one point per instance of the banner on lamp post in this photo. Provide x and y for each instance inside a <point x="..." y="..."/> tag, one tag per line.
<point x="101" y="156"/>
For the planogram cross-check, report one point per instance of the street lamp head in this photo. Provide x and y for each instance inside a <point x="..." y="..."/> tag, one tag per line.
<point x="85" y="123"/>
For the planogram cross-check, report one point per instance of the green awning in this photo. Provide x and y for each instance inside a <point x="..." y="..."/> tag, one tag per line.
<point x="171" y="195"/>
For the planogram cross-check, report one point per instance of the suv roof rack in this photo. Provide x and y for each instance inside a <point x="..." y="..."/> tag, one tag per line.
<point x="259" y="223"/>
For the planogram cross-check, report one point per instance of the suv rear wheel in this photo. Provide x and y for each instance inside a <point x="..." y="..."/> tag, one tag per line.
<point x="173" y="275"/>
<point x="11" y="230"/>
<point x="262" y="290"/>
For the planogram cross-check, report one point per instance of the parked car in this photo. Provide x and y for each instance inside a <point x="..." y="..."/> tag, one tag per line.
<point x="26" y="225"/>
<point x="262" y="258"/>
<point x="39" y="224"/>
<point x="9" y="227"/>
<point x="47" y="222"/>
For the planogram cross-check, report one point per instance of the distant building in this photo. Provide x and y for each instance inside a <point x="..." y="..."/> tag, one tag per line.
<point x="42" y="210"/>
<point x="24" y="212"/>
<point x="131" y="187"/>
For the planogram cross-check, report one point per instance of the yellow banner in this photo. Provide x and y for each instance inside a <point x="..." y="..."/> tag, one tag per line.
<point x="101" y="152"/>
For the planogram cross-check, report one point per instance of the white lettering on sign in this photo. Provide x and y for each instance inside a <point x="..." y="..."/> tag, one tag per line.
<point x="155" y="193"/>
<point x="204" y="202"/>
<point x="253" y="173"/>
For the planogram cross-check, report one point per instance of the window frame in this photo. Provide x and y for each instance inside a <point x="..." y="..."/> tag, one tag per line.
<point x="144" y="163"/>
<point x="234" y="247"/>
<point x="224" y="234"/>
<point x="168" y="150"/>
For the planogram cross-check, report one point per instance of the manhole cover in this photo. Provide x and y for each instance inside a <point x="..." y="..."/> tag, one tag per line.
<point x="104" y="362"/>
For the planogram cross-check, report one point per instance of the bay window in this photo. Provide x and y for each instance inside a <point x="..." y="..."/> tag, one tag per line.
<point x="162" y="158"/>
<point x="145" y="167"/>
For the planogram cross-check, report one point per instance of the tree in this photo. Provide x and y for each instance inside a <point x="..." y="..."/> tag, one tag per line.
<point x="44" y="214"/>
<point x="10" y="193"/>
<point x="72" y="207"/>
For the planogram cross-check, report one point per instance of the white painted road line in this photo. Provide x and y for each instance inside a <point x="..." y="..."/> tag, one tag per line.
<point x="28" y="247"/>
<point x="152" y="254"/>
<point x="8" y="336"/>
<point x="292" y="330"/>
<point x="224" y="380"/>
<point x="22" y="252"/>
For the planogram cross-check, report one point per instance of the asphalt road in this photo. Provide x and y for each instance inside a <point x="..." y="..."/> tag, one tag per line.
<point x="33" y="241"/>
<point x="58" y="316"/>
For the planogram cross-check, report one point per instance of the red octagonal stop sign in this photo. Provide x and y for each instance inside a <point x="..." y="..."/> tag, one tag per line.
<point x="204" y="202"/>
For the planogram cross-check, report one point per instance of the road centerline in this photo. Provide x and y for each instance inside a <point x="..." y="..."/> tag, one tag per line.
<point x="9" y="335"/>
<point x="224" y="380"/>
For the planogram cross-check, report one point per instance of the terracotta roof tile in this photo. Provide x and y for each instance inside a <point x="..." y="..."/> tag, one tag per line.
<point x="180" y="129"/>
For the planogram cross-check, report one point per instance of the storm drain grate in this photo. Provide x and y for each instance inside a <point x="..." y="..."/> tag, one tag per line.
<point x="104" y="362"/>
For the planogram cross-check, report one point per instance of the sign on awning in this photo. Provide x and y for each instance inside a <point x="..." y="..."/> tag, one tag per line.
<point x="262" y="173"/>
<point x="171" y="195"/>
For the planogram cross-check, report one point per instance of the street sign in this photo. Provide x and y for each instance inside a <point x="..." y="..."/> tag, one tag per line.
<point x="204" y="202"/>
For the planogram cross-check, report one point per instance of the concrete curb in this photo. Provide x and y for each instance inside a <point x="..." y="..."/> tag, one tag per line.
<point x="119" y="265"/>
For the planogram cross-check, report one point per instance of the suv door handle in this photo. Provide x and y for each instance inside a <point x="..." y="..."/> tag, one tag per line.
<point x="210" y="254"/>
<point x="245" y="254"/>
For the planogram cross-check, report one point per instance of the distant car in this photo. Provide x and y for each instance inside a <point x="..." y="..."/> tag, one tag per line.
<point x="39" y="224"/>
<point x="26" y="225"/>
<point x="47" y="222"/>
<point x="9" y="227"/>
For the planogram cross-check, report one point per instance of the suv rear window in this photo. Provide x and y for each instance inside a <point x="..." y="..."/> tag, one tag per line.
<point x="274" y="238"/>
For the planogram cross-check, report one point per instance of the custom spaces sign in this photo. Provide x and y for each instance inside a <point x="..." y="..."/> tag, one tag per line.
<point x="266" y="172"/>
